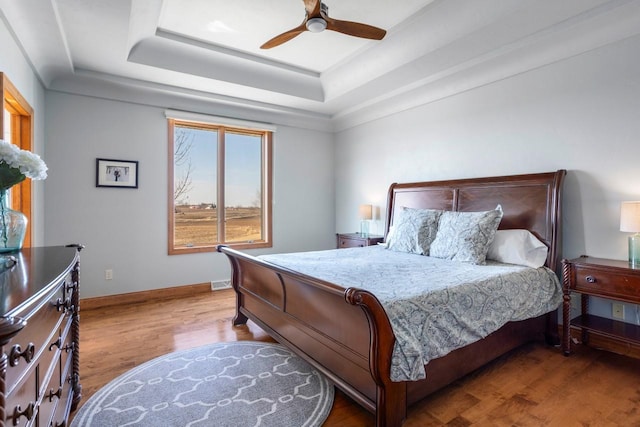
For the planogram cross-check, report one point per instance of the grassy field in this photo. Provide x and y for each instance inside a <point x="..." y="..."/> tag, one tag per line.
<point x="198" y="226"/>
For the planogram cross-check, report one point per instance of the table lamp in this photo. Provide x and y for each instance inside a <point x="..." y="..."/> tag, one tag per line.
<point x="365" y="215"/>
<point x="630" y="222"/>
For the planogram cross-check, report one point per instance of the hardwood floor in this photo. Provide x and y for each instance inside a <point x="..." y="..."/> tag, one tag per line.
<point x="532" y="386"/>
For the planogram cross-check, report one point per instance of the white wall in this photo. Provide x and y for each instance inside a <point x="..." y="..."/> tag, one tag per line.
<point x="14" y="65"/>
<point x="126" y="229"/>
<point x="581" y="114"/>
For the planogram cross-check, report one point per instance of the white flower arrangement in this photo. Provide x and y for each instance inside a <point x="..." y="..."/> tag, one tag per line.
<point x="17" y="164"/>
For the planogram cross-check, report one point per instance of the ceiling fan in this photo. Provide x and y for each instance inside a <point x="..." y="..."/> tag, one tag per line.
<point x="317" y="20"/>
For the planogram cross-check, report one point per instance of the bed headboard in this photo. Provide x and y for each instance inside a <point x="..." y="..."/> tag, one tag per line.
<point x="532" y="202"/>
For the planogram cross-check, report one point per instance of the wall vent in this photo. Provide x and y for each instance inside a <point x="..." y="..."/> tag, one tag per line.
<point x="220" y="284"/>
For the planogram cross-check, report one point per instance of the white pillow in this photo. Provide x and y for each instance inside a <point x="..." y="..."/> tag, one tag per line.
<point x="517" y="247"/>
<point x="392" y="231"/>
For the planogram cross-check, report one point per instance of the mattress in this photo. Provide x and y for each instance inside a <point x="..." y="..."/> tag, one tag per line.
<point x="434" y="305"/>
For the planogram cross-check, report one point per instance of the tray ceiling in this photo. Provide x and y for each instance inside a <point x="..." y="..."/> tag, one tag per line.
<point x="209" y="49"/>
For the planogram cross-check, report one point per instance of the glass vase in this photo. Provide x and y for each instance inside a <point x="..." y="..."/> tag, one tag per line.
<point x="634" y="250"/>
<point x="13" y="225"/>
<point x="364" y="228"/>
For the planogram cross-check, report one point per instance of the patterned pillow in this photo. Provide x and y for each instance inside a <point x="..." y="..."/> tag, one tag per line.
<point x="466" y="236"/>
<point x="413" y="230"/>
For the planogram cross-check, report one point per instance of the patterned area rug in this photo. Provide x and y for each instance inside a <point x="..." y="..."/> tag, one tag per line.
<point x="235" y="384"/>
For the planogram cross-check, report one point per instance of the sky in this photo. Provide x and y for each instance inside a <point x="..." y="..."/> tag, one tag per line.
<point x="243" y="168"/>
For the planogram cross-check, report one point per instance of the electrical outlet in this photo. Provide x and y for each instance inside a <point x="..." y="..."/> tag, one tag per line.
<point x="108" y="274"/>
<point x="617" y="310"/>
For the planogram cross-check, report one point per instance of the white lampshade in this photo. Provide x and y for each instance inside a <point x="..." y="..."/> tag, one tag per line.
<point x="366" y="211"/>
<point x="630" y="217"/>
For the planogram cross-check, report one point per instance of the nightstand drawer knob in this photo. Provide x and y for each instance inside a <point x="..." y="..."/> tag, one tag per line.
<point x="591" y="279"/>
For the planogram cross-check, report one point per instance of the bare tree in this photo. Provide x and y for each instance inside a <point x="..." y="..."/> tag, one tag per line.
<point x="257" y="201"/>
<point x="182" y="144"/>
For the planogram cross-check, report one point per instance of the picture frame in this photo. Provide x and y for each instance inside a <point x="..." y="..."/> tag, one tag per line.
<point x="116" y="173"/>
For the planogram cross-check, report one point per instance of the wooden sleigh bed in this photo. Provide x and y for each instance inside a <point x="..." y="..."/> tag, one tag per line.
<point x="346" y="334"/>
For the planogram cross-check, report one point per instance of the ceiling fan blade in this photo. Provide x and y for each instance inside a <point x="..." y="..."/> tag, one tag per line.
<point x="312" y="7"/>
<point x="355" y="29"/>
<point x="285" y="37"/>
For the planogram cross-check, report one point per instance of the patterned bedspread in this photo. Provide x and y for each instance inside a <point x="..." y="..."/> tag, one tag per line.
<point x="435" y="306"/>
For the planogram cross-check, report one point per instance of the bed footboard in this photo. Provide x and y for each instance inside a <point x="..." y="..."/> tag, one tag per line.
<point x="352" y="343"/>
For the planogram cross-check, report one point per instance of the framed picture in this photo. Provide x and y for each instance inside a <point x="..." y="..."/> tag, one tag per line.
<point x="116" y="173"/>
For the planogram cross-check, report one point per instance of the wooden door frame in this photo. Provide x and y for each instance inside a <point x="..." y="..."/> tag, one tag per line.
<point x="21" y="135"/>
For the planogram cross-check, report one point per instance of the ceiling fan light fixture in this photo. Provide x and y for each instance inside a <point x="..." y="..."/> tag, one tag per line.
<point x="316" y="25"/>
<point x="317" y="20"/>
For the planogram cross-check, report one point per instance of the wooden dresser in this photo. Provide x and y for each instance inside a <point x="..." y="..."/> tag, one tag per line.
<point x="39" y="335"/>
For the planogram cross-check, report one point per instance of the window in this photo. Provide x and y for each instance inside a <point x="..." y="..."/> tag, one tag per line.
<point x="16" y="127"/>
<point x="220" y="186"/>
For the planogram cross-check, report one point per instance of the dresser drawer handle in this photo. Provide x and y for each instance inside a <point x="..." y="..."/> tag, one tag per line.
<point x="591" y="279"/>
<point x="63" y="305"/>
<point x="56" y="394"/>
<point x="56" y="343"/>
<point x="27" y="413"/>
<point x="17" y="353"/>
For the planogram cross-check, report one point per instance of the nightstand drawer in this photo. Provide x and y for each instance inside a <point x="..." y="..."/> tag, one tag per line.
<point x="607" y="283"/>
<point x="351" y="243"/>
<point x="356" y="240"/>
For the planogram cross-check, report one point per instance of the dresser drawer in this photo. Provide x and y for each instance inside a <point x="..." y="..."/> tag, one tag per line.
<point x="66" y="396"/>
<point x="21" y="406"/>
<point x="35" y="339"/>
<point x="55" y="393"/>
<point x="59" y="346"/>
<point x="608" y="284"/>
<point x="50" y="396"/>
<point x="66" y="353"/>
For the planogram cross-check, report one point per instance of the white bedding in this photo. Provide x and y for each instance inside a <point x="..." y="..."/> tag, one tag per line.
<point x="435" y="306"/>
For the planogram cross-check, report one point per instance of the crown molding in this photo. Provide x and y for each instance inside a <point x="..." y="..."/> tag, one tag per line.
<point x="443" y="50"/>
<point x="116" y="88"/>
<point x="598" y="27"/>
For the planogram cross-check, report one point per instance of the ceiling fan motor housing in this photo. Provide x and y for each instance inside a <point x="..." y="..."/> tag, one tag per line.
<point x="318" y="24"/>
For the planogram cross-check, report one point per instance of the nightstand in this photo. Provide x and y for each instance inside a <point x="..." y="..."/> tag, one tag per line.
<point x="604" y="278"/>
<point x="355" y="240"/>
